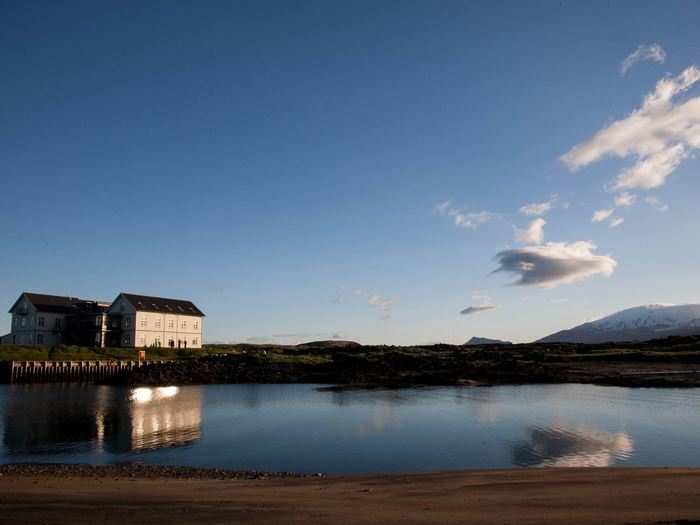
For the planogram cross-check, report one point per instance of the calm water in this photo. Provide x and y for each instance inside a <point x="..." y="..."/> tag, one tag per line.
<point x="299" y="428"/>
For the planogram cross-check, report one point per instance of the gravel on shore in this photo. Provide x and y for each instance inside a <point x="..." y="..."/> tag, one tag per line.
<point x="138" y="470"/>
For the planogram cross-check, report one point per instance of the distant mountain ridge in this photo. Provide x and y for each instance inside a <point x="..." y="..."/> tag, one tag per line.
<point x="641" y="323"/>
<point x="474" y="341"/>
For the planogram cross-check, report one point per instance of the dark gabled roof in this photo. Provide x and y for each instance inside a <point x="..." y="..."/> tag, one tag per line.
<point x="145" y="303"/>
<point x="49" y="303"/>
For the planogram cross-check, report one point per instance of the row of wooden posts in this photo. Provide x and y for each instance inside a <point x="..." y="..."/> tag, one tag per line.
<point x="68" y="371"/>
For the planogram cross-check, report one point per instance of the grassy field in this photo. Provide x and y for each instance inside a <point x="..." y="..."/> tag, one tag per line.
<point x="75" y="353"/>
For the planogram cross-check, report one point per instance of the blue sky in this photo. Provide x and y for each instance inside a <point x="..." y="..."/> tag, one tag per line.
<point x="283" y="164"/>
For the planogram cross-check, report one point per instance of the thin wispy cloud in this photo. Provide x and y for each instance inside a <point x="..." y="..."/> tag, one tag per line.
<point x="615" y="222"/>
<point x="380" y="303"/>
<point x="538" y="208"/>
<point x="601" y="215"/>
<point x="658" y="136"/>
<point x="533" y="234"/>
<point x="655" y="203"/>
<point x="554" y="264"/>
<point x="625" y="199"/>
<point x="645" y="52"/>
<point x="463" y="219"/>
<point x="470" y="310"/>
<point x="483" y="303"/>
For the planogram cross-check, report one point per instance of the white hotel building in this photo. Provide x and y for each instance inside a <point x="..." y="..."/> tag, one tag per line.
<point x="136" y="321"/>
<point x="144" y="321"/>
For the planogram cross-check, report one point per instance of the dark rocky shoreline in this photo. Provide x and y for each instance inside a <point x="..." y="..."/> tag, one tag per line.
<point x="672" y="362"/>
<point x="666" y="363"/>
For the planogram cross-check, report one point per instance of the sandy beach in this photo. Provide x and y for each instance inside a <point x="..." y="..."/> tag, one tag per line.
<point x="534" y="496"/>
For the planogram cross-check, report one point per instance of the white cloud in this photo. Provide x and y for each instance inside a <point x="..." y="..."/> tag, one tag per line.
<point x="601" y="215"/>
<point x="381" y="303"/>
<point x="538" y="208"/>
<point x="651" y="52"/>
<point x="554" y="263"/>
<point x="476" y="309"/>
<point x="651" y="172"/>
<point x="462" y="219"/>
<point x="655" y="203"/>
<point x="625" y="199"/>
<point x="533" y="234"/>
<point x="615" y="222"/>
<point x="659" y="136"/>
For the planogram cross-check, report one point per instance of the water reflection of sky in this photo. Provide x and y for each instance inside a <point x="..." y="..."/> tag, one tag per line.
<point x="300" y="428"/>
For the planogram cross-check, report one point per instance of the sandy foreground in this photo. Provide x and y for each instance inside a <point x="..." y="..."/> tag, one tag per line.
<point x="567" y="496"/>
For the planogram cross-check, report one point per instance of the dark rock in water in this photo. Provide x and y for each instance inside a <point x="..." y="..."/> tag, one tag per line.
<point x="480" y="341"/>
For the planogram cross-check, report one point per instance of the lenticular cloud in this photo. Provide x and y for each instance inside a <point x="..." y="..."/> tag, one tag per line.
<point x="471" y="310"/>
<point x="554" y="263"/>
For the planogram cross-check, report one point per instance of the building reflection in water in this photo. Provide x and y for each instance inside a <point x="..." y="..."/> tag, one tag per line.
<point x="164" y="416"/>
<point x="560" y="446"/>
<point x="55" y="419"/>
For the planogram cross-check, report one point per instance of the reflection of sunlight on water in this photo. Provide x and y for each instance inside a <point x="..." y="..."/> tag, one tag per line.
<point x="167" y="391"/>
<point x="146" y="395"/>
<point x="164" y="416"/>
<point x="559" y="446"/>
<point x="141" y="395"/>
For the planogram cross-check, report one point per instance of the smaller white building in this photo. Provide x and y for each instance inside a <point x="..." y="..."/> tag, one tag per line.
<point x="39" y="319"/>
<point x="142" y="321"/>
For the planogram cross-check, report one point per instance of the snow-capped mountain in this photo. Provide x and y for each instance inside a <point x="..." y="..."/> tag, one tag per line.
<point x="641" y="323"/>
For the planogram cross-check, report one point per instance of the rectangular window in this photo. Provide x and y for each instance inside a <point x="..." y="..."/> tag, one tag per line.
<point x="158" y="323"/>
<point x="157" y="342"/>
<point x="144" y="322"/>
<point x="41" y="322"/>
<point x="23" y="322"/>
<point x="127" y="340"/>
<point x="194" y="341"/>
<point x="196" y="325"/>
<point x="40" y="339"/>
<point x="183" y="324"/>
<point x="171" y="323"/>
<point x="58" y="324"/>
<point x="127" y="322"/>
<point x="142" y="341"/>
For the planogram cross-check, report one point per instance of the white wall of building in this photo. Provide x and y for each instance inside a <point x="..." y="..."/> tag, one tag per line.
<point x="167" y="330"/>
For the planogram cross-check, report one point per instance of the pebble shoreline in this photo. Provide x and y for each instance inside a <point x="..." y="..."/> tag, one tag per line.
<point x="138" y="470"/>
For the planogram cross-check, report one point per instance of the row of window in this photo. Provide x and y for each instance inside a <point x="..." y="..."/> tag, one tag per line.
<point x="27" y="339"/>
<point x="23" y="322"/>
<point x="143" y="322"/>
